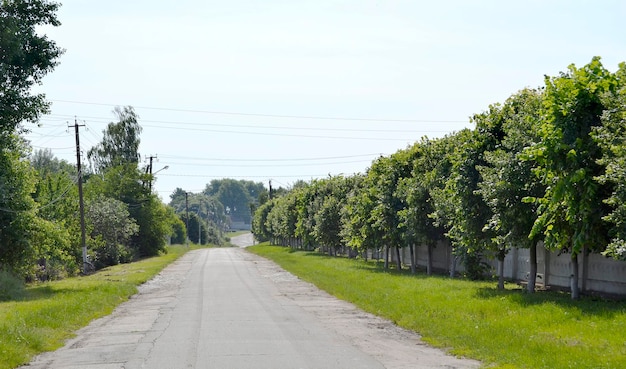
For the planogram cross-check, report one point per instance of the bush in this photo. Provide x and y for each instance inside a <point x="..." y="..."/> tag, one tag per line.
<point x="11" y="287"/>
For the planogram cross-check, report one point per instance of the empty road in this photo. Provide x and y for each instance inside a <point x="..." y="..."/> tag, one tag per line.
<point x="227" y="308"/>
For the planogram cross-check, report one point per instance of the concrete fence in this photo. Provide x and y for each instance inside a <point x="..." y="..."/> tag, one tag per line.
<point x="596" y="272"/>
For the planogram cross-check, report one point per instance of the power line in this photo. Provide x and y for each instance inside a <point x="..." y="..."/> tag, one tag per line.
<point x="279" y="134"/>
<point x="312" y="117"/>
<point x="386" y="130"/>
<point x="265" y="165"/>
<point x="271" y="160"/>
<point x="263" y="176"/>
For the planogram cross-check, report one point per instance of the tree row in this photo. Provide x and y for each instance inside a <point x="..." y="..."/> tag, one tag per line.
<point x="548" y="165"/>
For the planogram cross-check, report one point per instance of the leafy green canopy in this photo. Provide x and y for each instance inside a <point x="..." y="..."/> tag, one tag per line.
<point x="25" y="58"/>
<point x="566" y="160"/>
<point x="120" y="141"/>
<point x="611" y="137"/>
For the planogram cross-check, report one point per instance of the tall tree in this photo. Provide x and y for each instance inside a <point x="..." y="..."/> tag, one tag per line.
<point x="507" y="180"/>
<point x="384" y="176"/>
<point x="110" y="228"/>
<point x="17" y="207"/>
<point x="416" y="218"/>
<point x="571" y="210"/>
<point x="25" y="58"/>
<point x="235" y="197"/>
<point x="611" y="136"/>
<point x="120" y="141"/>
<point x="458" y="206"/>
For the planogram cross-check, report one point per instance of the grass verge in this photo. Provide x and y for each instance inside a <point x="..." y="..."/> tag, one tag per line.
<point x="503" y="329"/>
<point x="48" y="313"/>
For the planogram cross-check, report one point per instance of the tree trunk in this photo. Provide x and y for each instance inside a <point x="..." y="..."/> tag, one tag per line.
<point x="386" y="256"/>
<point x="398" y="260"/>
<point x="413" y="261"/>
<point x="501" y="255"/>
<point x="429" y="262"/>
<point x="453" y="266"/>
<point x="574" y="277"/>
<point x="500" y="270"/>
<point x="532" y="278"/>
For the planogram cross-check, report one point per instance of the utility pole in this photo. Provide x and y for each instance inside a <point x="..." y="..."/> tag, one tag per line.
<point x="270" y="189"/>
<point x="149" y="170"/>
<point x="187" y="218"/>
<point x="199" y="227"/>
<point x="80" y="196"/>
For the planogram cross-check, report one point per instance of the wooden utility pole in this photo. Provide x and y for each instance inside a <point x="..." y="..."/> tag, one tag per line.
<point x="80" y="197"/>
<point x="187" y="218"/>
<point x="149" y="170"/>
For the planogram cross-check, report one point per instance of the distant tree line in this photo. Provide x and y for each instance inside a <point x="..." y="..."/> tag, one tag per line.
<point x="210" y="212"/>
<point x="548" y="164"/>
<point x="40" y="228"/>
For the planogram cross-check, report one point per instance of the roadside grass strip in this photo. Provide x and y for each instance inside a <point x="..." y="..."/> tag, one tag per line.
<point x="49" y="313"/>
<point x="503" y="329"/>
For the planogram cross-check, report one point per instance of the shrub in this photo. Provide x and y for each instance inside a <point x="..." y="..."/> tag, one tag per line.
<point x="11" y="287"/>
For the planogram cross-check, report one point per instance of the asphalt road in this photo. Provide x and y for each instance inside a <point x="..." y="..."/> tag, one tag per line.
<point x="227" y="308"/>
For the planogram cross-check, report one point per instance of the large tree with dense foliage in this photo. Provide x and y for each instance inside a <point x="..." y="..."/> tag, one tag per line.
<point x="236" y="196"/>
<point x="110" y="228"/>
<point x="459" y="208"/>
<point x="116" y="159"/>
<point x="17" y="207"/>
<point x="611" y="136"/>
<point x="126" y="183"/>
<point x="571" y="210"/>
<point x="120" y="142"/>
<point x="25" y="58"/>
<point x="416" y="217"/>
<point x="507" y="180"/>
<point x="383" y="178"/>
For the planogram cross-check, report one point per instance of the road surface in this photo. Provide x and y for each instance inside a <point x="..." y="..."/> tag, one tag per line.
<point x="243" y="240"/>
<point x="227" y="308"/>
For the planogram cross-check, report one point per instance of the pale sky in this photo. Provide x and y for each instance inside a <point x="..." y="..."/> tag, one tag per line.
<point x="246" y="89"/>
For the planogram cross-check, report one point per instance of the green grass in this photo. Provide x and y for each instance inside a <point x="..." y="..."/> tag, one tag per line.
<point x="48" y="313"/>
<point x="503" y="329"/>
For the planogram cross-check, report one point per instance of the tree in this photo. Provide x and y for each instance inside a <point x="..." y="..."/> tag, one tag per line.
<point x="25" y="58"/>
<point x="507" y="180"/>
<point x="611" y="136"/>
<point x="197" y="231"/>
<point x="208" y="208"/>
<point x="416" y="217"/>
<point x="383" y="177"/>
<point x="120" y="142"/>
<point x="126" y="183"/>
<point x="179" y="229"/>
<point x="571" y="210"/>
<point x="328" y="198"/>
<point x="259" y="221"/>
<point x="56" y="196"/>
<point x="17" y="208"/>
<point x="110" y="229"/>
<point x="235" y="197"/>
<point x="281" y="220"/>
<point x="459" y="207"/>
<point x="45" y="162"/>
